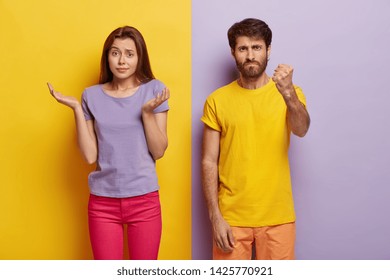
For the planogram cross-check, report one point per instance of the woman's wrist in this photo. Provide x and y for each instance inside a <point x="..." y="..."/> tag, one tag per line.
<point x="147" y="114"/>
<point x="77" y="107"/>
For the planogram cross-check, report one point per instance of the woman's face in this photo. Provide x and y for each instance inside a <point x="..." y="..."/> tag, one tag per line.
<point x="123" y="59"/>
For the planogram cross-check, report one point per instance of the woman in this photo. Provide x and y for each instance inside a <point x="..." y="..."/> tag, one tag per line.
<point x="122" y="125"/>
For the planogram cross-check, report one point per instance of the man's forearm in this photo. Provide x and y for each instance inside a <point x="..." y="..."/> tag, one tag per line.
<point x="210" y="188"/>
<point x="297" y="116"/>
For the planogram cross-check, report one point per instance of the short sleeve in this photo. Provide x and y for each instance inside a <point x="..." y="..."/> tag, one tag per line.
<point x="210" y="114"/>
<point x="84" y="104"/>
<point x="158" y="88"/>
<point x="300" y="95"/>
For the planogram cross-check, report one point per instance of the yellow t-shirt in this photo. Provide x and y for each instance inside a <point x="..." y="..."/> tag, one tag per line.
<point x="254" y="173"/>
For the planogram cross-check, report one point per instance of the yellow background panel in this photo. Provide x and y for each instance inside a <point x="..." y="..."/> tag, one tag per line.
<point x="43" y="191"/>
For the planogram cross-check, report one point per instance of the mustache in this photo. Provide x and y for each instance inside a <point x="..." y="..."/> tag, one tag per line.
<point x="251" y="62"/>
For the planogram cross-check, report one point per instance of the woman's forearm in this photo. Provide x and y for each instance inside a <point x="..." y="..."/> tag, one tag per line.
<point x="85" y="136"/>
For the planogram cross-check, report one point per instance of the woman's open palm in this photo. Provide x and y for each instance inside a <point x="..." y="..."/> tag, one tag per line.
<point x="153" y="103"/>
<point x="69" y="101"/>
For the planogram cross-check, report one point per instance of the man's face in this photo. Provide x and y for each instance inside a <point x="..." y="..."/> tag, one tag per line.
<point x="251" y="56"/>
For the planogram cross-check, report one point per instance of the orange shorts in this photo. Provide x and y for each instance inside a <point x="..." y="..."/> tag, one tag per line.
<point x="269" y="243"/>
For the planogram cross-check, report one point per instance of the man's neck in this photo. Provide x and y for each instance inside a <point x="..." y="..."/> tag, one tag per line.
<point x="253" y="83"/>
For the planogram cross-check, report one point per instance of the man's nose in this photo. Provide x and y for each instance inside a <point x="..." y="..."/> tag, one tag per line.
<point x="250" y="55"/>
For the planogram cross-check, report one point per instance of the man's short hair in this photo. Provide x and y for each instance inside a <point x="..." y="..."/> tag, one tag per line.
<point x="250" y="27"/>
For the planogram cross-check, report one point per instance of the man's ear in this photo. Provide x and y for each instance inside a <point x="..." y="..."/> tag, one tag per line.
<point x="232" y="52"/>
<point x="268" y="52"/>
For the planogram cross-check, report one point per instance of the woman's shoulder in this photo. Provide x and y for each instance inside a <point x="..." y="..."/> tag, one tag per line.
<point x="154" y="86"/>
<point x="154" y="82"/>
<point x="93" y="88"/>
<point x="91" y="92"/>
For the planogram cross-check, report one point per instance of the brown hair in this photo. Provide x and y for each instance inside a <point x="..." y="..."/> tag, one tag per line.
<point x="143" y="72"/>
<point x="250" y="27"/>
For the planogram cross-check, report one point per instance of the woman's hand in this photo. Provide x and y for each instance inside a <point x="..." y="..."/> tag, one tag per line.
<point x="69" y="101"/>
<point x="155" y="125"/>
<point x="153" y="103"/>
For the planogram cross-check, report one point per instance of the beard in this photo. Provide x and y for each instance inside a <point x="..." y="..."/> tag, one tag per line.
<point x="251" y="69"/>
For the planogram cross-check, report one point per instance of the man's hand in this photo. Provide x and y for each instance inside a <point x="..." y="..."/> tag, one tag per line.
<point x="223" y="236"/>
<point x="283" y="79"/>
<point x="297" y="115"/>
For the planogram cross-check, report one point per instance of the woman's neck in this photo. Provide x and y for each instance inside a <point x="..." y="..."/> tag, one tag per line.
<point x="123" y="85"/>
<point x="121" y="88"/>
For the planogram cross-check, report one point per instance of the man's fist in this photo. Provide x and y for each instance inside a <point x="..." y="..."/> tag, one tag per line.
<point x="283" y="79"/>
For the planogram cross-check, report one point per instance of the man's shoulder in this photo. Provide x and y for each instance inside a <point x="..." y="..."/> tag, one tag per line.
<point x="222" y="91"/>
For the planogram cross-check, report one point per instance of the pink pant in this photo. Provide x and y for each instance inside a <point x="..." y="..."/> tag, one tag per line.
<point x="107" y="217"/>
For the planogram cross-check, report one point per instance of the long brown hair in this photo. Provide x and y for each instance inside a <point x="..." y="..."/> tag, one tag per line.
<point x="143" y="72"/>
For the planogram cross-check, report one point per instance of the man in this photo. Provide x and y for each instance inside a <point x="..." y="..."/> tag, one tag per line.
<point x="245" y="169"/>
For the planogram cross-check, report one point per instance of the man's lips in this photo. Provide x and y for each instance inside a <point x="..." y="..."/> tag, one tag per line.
<point x="251" y="63"/>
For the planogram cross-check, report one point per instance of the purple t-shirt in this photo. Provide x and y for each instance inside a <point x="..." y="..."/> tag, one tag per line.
<point x="125" y="168"/>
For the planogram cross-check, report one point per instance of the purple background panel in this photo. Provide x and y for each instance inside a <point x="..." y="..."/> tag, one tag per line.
<point x="341" y="169"/>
